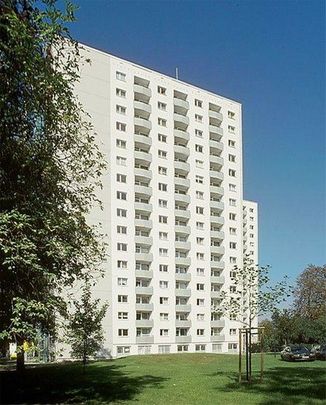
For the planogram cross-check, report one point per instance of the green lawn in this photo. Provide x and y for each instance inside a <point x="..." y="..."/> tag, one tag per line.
<point x="179" y="379"/>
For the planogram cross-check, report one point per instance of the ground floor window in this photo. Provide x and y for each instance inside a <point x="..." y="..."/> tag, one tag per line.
<point x="123" y="349"/>
<point x="164" y="348"/>
<point x="217" y="348"/>
<point x="182" y="348"/>
<point x="232" y="347"/>
<point x="144" y="349"/>
<point x="200" y="348"/>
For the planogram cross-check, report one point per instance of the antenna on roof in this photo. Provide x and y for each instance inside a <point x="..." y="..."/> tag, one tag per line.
<point x="177" y="73"/>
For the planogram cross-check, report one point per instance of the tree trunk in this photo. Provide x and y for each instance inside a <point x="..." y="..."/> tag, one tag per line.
<point x="20" y="361"/>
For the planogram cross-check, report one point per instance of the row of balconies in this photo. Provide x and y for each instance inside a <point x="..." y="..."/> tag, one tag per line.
<point x="178" y="339"/>
<point x="149" y="323"/>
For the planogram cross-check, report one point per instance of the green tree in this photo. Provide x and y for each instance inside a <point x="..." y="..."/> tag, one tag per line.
<point x="84" y="329"/>
<point x="50" y="167"/>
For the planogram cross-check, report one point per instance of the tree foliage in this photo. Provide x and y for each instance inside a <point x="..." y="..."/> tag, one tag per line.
<point x="84" y="329"/>
<point x="50" y="167"/>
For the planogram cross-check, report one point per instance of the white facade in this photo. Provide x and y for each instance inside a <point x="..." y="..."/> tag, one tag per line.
<point x="173" y="206"/>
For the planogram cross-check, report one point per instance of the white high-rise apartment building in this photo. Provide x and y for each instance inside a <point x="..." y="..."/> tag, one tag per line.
<point x="174" y="213"/>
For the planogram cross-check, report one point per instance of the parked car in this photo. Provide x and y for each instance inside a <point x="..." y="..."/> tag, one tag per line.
<point x="320" y="352"/>
<point x="297" y="353"/>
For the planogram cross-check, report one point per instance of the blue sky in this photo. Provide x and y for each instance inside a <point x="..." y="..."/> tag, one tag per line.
<point x="268" y="55"/>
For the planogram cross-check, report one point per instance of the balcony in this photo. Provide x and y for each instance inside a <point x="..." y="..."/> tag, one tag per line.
<point x="220" y="323"/>
<point x="183" y="339"/>
<point x="185" y="198"/>
<point x="217" y="220"/>
<point x="144" y="240"/>
<point x="145" y="339"/>
<point x="142" y="124"/>
<point x="143" y="140"/>
<point x="144" y="290"/>
<point x="181" y="150"/>
<point x="217" y="279"/>
<point x="178" y="133"/>
<point x="182" y="245"/>
<point x="144" y="323"/>
<point x="218" y="205"/>
<point x="182" y="167"/>
<point x="183" y="229"/>
<point x="217" y="265"/>
<point x="141" y="106"/>
<point x="216" y="175"/>
<point x="215" y="115"/>
<point x="146" y="174"/>
<point x="216" y="294"/>
<point x="182" y="183"/>
<point x="144" y="307"/>
<point x="144" y="257"/>
<point x="217" y="190"/>
<point x="144" y="223"/>
<point x="183" y="323"/>
<point x="144" y="274"/>
<point x="182" y="213"/>
<point x="183" y="276"/>
<point x="218" y="250"/>
<point x="217" y="234"/>
<point x="183" y="105"/>
<point x="144" y="156"/>
<point x="144" y="93"/>
<point x="183" y="292"/>
<point x="218" y="338"/>
<point x="217" y="131"/>
<point x="183" y="261"/>
<point x="183" y="308"/>
<point x="181" y="121"/>
<point x="144" y="207"/>
<point x="218" y="160"/>
<point x="143" y="190"/>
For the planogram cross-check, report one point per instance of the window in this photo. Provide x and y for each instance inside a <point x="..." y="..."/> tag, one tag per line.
<point x="163" y="268"/>
<point x="231" y="115"/>
<point x="123" y="332"/>
<point x="162" y="203"/>
<point x="121" y="178"/>
<point x="120" y="109"/>
<point x="122" y="264"/>
<point x="122" y="246"/>
<point x="121" y="161"/>
<point x="162" y="187"/>
<point x="199" y="163"/>
<point x="251" y="235"/>
<point x="200" y="302"/>
<point x="162" y="219"/>
<point x="199" y="225"/>
<point x="233" y="332"/>
<point x="161" y="90"/>
<point x="233" y="289"/>
<point x="161" y="122"/>
<point x="164" y="284"/>
<point x="200" y="317"/>
<point x="198" y="103"/>
<point x="162" y="349"/>
<point x="233" y="231"/>
<point x="251" y="210"/>
<point x="123" y="298"/>
<point x="198" y="118"/>
<point x="121" y="144"/>
<point x="162" y="138"/>
<point x="232" y="202"/>
<point x="200" y="179"/>
<point x="200" y="256"/>
<point x="200" y="241"/>
<point x="199" y="195"/>
<point x="232" y="216"/>
<point x="233" y="260"/>
<point x="120" y="76"/>
<point x="231" y="143"/>
<point x="199" y="148"/>
<point x="200" y="271"/>
<point x="200" y="332"/>
<point x="232" y="346"/>
<point x="233" y="245"/>
<point x="122" y="281"/>
<point x="200" y="210"/>
<point x="232" y="187"/>
<point x="182" y="348"/>
<point x="121" y="195"/>
<point x="161" y="106"/>
<point x="163" y="252"/>
<point x="120" y="93"/>
<point x="199" y="133"/>
<point x="231" y="158"/>
<point x="164" y="316"/>
<point x="164" y="332"/>
<point x="122" y="229"/>
<point x="200" y="287"/>
<point x="162" y="154"/>
<point x="121" y="212"/>
<point x="123" y="349"/>
<point x="164" y="300"/>
<point x="232" y="173"/>
<point x="163" y="235"/>
<point x="231" y="129"/>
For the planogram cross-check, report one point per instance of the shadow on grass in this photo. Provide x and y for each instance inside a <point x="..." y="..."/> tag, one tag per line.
<point x="52" y="384"/>
<point x="282" y="385"/>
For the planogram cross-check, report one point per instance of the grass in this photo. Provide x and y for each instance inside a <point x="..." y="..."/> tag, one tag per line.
<point x="179" y="379"/>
